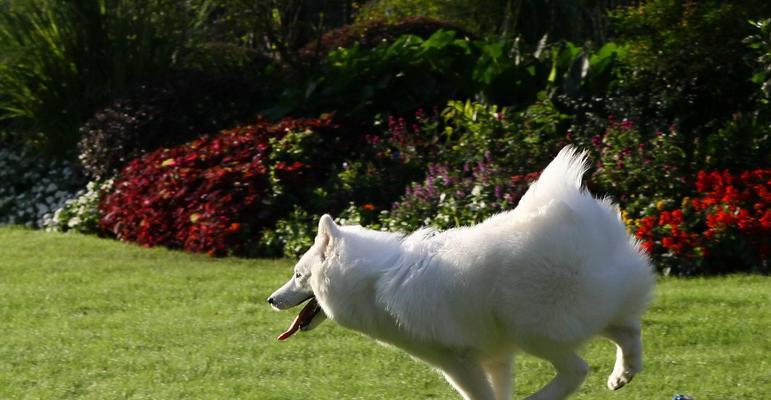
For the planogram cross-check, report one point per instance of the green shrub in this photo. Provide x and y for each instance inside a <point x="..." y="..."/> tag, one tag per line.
<point x="449" y="197"/>
<point x="760" y="43"/>
<point x="476" y="160"/>
<point x="399" y="77"/>
<point x="571" y="20"/>
<point x="686" y="62"/>
<point x="371" y="34"/>
<point x="60" y="59"/>
<point x="292" y="236"/>
<point x="392" y="78"/>
<point x="743" y="142"/>
<point x="635" y="168"/>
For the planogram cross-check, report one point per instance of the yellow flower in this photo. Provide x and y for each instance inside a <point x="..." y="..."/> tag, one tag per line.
<point x="630" y="223"/>
<point x="660" y="205"/>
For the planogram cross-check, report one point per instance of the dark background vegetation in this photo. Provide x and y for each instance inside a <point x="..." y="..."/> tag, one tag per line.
<point x="228" y="126"/>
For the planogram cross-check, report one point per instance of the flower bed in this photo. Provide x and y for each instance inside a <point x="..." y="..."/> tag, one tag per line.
<point x="212" y="195"/>
<point x="725" y="227"/>
<point x="33" y="187"/>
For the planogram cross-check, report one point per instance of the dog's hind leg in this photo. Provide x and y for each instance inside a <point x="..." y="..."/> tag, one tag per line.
<point x="571" y="371"/>
<point x="499" y="372"/>
<point x="468" y="377"/>
<point x="628" y="353"/>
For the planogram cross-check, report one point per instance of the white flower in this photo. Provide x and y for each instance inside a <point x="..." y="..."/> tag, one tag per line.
<point x="74" y="221"/>
<point x="58" y="215"/>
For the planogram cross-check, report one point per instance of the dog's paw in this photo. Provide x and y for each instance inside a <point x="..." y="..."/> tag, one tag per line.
<point x="618" y="379"/>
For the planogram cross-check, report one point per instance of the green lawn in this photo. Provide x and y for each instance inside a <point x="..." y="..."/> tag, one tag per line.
<point x="90" y="318"/>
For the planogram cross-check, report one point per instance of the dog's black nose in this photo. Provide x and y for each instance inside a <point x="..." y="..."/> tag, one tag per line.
<point x="270" y="300"/>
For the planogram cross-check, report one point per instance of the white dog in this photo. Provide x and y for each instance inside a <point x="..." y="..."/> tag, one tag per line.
<point x="542" y="278"/>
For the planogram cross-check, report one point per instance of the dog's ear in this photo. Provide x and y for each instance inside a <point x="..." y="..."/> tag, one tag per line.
<point x="328" y="231"/>
<point x="328" y="226"/>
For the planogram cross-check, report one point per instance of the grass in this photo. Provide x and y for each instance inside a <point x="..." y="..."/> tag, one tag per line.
<point x="82" y="317"/>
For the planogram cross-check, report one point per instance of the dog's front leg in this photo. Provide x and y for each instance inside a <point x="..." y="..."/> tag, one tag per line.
<point x="571" y="371"/>
<point x="499" y="372"/>
<point x="468" y="377"/>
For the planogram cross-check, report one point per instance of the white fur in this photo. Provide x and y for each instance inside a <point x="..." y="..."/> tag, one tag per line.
<point x="542" y="278"/>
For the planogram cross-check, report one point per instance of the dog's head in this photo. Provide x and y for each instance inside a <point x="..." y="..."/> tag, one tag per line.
<point x="299" y="288"/>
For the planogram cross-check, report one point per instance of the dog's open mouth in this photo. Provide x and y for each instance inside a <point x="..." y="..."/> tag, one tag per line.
<point x="305" y="320"/>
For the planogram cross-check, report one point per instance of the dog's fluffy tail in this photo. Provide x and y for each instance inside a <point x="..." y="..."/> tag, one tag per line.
<point x="561" y="180"/>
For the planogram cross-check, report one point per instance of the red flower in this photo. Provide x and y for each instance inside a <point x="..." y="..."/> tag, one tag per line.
<point x="198" y="195"/>
<point x="729" y="214"/>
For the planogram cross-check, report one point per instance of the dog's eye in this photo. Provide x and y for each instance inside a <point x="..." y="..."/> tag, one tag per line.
<point x="297" y="275"/>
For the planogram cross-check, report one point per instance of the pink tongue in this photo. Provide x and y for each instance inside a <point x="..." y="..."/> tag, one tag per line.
<point x="291" y="330"/>
<point x="306" y="314"/>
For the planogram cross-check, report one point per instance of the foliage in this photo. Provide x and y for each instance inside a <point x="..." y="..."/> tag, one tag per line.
<point x="391" y="78"/>
<point x="60" y="58"/>
<point x="373" y="33"/>
<point x="211" y="195"/>
<point x="531" y="19"/>
<point x="81" y="212"/>
<point x="743" y="142"/>
<point x="277" y="30"/>
<point x="760" y="42"/>
<point x="409" y="73"/>
<point x="479" y="160"/>
<point x="174" y="109"/>
<point x="449" y="198"/>
<point x="523" y="141"/>
<point x="725" y="227"/>
<point x="469" y="132"/>
<point x="292" y="235"/>
<point x="635" y="168"/>
<point x="686" y="62"/>
<point x="33" y="187"/>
